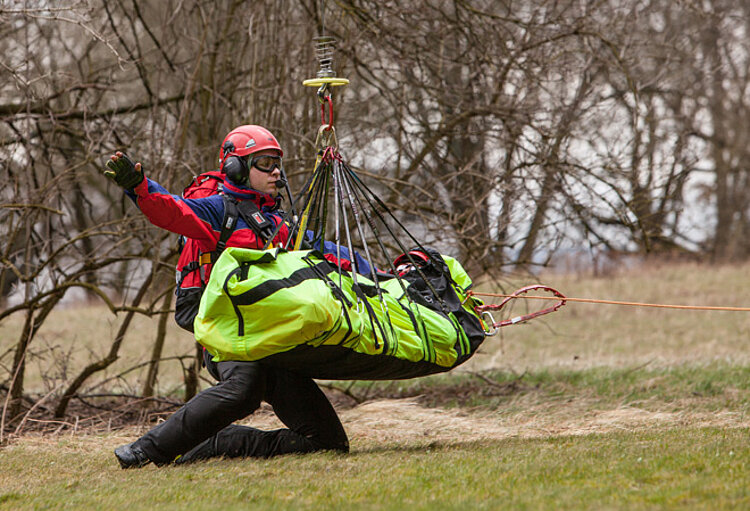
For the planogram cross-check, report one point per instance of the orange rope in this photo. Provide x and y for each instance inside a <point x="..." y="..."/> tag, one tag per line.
<point x="614" y="302"/>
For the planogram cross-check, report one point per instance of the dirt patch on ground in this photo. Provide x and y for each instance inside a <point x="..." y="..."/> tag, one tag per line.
<point x="393" y="422"/>
<point x="415" y="415"/>
<point x="399" y="421"/>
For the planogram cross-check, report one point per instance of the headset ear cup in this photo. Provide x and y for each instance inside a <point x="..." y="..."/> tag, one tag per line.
<point x="236" y="169"/>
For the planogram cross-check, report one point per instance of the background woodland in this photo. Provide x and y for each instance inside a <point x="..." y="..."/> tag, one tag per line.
<point x="509" y="134"/>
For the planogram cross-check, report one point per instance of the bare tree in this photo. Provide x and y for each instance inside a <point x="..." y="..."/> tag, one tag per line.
<point x="161" y="80"/>
<point x="501" y="132"/>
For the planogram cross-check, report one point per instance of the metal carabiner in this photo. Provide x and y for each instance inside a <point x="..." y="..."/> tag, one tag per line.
<point x="491" y="324"/>
<point x="323" y="92"/>
<point x="326" y="138"/>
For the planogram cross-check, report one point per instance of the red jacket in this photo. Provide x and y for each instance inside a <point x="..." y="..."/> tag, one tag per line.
<point x="199" y="220"/>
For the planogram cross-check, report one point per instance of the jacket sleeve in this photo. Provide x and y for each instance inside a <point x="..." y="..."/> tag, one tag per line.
<point x="199" y="219"/>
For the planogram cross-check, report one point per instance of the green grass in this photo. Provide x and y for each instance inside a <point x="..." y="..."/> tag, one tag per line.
<point x="690" y="468"/>
<point x="685" y="447"/>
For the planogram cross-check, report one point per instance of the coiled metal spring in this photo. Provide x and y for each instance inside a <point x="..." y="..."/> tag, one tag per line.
<point x="324" y="46"/>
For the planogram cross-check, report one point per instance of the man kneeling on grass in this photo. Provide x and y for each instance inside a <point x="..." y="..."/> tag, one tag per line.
<point x="250" y="160"/>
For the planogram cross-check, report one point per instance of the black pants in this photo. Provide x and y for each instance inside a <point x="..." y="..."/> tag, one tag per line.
<point x="202" y="427"/>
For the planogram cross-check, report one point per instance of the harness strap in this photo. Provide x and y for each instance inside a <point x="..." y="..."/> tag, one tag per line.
<point x="186" y="270"/>
<point x="228" y="224"/>
<point x="374" y="322"/>
<point x="336" y="290"/>
<point x="253" y="217"/>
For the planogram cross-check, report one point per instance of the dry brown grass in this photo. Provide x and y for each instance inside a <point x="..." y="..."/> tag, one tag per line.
<point x="390" y="422"/>
<point x="578" y="337"/>
<point x="581" y="336"/>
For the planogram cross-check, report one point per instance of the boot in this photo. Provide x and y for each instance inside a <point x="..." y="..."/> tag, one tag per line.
<point x="131" y="456"/>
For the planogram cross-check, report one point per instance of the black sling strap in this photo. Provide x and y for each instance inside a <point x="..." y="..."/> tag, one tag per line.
<point x="251" y="214"/>
<point x="233" y="209"/>
<point x="228" y="224"/>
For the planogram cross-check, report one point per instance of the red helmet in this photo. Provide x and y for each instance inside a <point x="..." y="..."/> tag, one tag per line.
<point x="247" y="139"/>
<point x="403" y="263"/>
<point x="417" y="255"/>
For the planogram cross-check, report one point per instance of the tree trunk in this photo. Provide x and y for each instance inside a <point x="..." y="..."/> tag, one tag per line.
<point x="192" y="372"/>
<point x="161" y="334"/>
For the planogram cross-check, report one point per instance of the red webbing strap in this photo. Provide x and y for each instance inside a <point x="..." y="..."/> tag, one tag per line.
<point x="481" y="309"/>
<point x="327" y="102"/>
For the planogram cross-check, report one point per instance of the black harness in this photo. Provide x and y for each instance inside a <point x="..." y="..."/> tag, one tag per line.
<point x="234" y="209"/>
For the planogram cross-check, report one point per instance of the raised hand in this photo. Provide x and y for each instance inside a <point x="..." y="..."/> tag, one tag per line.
<point x="123" y="171"/>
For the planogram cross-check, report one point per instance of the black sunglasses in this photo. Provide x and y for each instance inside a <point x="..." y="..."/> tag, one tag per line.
<point x="265" y="162"/>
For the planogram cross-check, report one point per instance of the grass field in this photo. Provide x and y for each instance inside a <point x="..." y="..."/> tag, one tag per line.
<point x="593" y="407"/>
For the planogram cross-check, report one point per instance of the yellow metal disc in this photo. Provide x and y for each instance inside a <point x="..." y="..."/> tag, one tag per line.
<point x="317" y="82"/>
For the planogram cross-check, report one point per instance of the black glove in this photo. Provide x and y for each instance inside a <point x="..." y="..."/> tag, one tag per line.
<point x="124" y="172"/>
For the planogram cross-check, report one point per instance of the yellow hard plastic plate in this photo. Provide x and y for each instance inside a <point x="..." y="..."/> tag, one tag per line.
<point x="317" y="82"/>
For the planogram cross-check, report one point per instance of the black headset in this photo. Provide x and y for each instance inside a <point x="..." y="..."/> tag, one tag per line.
<point x="236" y="170"/>
<point x="235" y="167"/>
